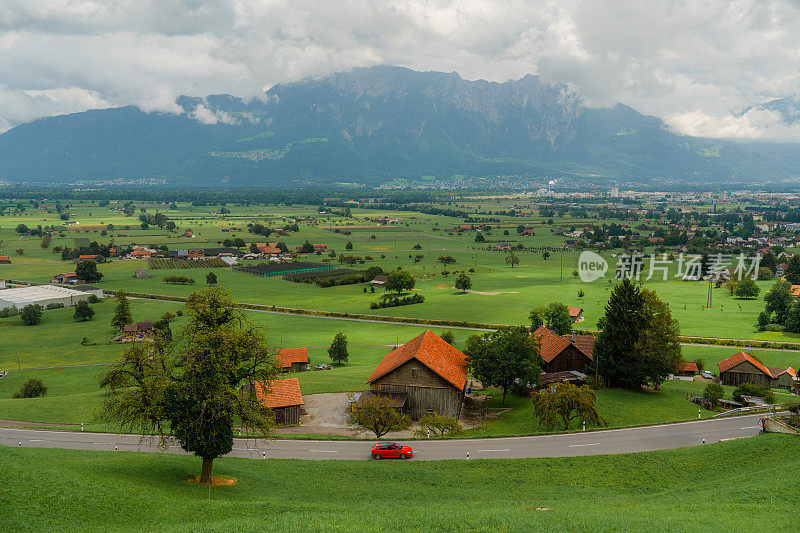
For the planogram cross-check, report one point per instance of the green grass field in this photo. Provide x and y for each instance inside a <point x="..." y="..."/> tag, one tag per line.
<point x="534" y="282"/>
<point x="741" y="485"/>
<point x="503" y="294"/>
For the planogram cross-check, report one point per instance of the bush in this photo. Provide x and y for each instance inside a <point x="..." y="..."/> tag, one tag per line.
<point x="54" y="305"/>
<point x="748" y="389"/>
<point x="773" y="327"/>
<point x="9" y="311"/>
<point x="438" y="425"/>
<point x="183" y="280"/>
<point x="31" y="315"/>
<point x="713" y="393"/>
<point x="396" y="302"/>
<point x="93" y="299"/>
<point x="33" y="388"/>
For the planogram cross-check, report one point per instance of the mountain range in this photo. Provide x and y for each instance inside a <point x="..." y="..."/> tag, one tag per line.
<point x="373" y="125"/>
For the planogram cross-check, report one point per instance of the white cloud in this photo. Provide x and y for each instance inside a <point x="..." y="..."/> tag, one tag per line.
<point x="204" y="115"/>
<point x="756" y="123"/>
<point x="695" y="63"/>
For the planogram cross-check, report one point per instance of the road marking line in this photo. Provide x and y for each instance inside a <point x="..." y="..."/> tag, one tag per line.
<point x="750" y="427"/>
<point x="38" y="440"/>
<point x="578" y="445"/>
<point x="503" y="450"/>
<point x="324" y="451"/>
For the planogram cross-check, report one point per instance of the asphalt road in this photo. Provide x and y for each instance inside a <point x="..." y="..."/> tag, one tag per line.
<point x="661" y="437"/>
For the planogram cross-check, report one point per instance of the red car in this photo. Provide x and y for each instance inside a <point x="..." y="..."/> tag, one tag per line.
<point x="391" y="449"/>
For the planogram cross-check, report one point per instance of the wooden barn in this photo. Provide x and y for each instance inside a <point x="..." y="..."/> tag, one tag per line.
<point x="429" y="371"/>
<point x="293" y="360"/>
<point x="744" y="368"/>
<point x="283" y="397"/>
<point x="561" y="353"/>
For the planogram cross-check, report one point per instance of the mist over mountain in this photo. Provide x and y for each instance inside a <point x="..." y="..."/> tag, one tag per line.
<point x="372" y="125"/>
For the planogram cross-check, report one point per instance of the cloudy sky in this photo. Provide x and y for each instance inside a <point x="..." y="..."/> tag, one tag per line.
<point x="698" y="65"/>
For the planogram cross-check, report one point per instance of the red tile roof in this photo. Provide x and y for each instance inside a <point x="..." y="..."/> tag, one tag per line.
<point x="779" y="371"/>
<point x="287" y="356"/>
<point x="279" y="393"/>
<point x="689" y="367"/>
<point x="431" y="351"/>
<point x="551" y="344"/>
<point x="739" y="358"/>
<point x="574" y="311"/>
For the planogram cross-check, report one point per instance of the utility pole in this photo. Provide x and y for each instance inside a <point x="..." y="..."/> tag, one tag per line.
<point x="562" y="263"/>
<point x="710" y="292"/>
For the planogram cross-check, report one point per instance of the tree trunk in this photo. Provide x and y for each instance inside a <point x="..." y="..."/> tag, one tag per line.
<point x="504" y="395"/>
<point x="205" y="475"/>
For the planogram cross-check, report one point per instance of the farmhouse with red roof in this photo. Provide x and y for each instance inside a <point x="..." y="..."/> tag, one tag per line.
<point x="283" y="397"/>
<point x="292" y="360"/>
<point x="744" y="368"/>
<point x="562" y="353"/>
<point x="431" y="372"/>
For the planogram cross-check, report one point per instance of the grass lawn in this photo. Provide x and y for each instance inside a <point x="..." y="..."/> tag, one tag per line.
<point x="704" y="488"/>
<point x="620" y="408"/>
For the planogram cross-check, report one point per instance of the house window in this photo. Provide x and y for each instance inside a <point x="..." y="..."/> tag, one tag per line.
<point x="413" y="372"/>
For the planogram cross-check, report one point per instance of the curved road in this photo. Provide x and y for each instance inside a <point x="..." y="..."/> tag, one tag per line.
<point x="639" y="439"/>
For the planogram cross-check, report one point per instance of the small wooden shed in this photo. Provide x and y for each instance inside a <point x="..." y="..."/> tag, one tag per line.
<point x="283" y="397"/>
<point x="293" y="360"/>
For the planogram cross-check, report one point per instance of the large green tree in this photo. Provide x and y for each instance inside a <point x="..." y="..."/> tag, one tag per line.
<point x="399" y="281"/>
<point x="778" y="302"/>
<point x="747" y="288"/>
<point x="638" y="342"/>
<point x="87" y="271"/>
<point x="198" y="395"/>
<point x="793" y="270"/>
<point x="463" y="282"/>
<point x="504" y="357"/>
<point x="122" y="311"/>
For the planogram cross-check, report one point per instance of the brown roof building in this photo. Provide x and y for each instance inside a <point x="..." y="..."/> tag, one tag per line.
<point x="292" y="360"/>
<point x="564" y="352"/>
<point x="283" y="397"/>
<point x="432" y="373"/>
<point x="744" y="368"/>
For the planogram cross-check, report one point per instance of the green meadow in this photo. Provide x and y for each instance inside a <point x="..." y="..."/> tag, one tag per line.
<point x="737" y="485"/>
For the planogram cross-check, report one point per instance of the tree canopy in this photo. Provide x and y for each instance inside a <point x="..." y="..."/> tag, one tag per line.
<point x="198" y="395"/>
<point x="638" y="342"/>
<point x="378" y="414"/>
<point x="83" y="311"/>
<point x="87" y="271"/>
<point x="566" y="402"/>
<point x="747" y="288"/>
<point x="122" y="312"/>
<point x="399" y="281"/>
<point x="504" y="357"/>
<point x="463" y="282"/>
<point x="338" y="349"/>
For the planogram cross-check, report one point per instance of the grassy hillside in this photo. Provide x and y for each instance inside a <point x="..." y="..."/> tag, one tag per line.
<point x="694" y="489"/>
